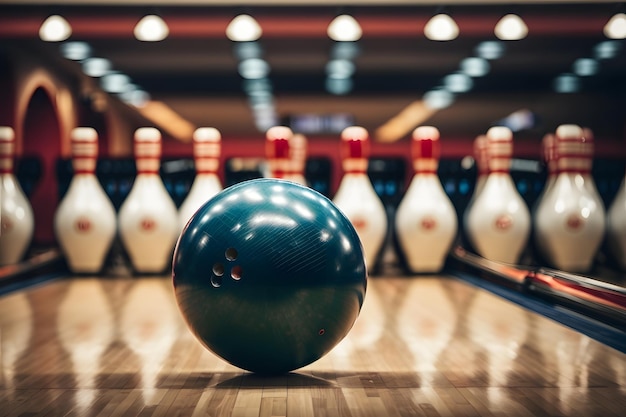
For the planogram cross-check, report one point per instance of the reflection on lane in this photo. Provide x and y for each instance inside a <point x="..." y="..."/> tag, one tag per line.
<point x="16" y="326"/>
<point x="85" y="328"/>
<point x="149" y="326"/>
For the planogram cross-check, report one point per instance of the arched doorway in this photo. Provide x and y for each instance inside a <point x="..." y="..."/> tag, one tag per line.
<point x="42" y="143"/>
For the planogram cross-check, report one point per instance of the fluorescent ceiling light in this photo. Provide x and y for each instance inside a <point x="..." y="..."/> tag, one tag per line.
<point x="345" y="50"/>
<point x="475" y="66"/>
<point x="254" y="68"/>
<point x="606" y="49"/>
<point x="567" y="83"/>
<point x="458" y="82"/>
<point x="615" y="28"/>
<point x="115" y="82"/>
<point x="511" y="28"/>
<point x="438" y="99"/>
<point x="55" y="29"/>
<point x="96" y="67"/>
<point x="344" y="28"/>
<point x="243" y="28"/>
<point x="151" y="28"/>
<point x="585" y="67"/>
<point x="441" y="27"/>
<point x="246" y="50"/>
<point x="340" y="68"/>
<point x="76" y="51"/>
<point x="135" y="97"/>
<point x="490" y="50"/>
<point x="339" y="86"/>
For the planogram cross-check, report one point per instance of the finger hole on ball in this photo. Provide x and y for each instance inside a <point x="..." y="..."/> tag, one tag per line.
<point x="218" y="269"/>
<point x="216" y="281"/>
<point x="236" y="272"/>
<point x="231" y="254"/>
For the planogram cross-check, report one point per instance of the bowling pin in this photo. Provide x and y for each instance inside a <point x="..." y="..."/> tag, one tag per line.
<point x="85" y="221"/>
<point x="298" y="149"/>
<point x="148" y="219"/>
<point x="482" y="163"/>
<point x="570" y="217"/>
<point x="426" y="222"/>
<point x="356" y="197"/>
<point x="206" y="149"/>
<point x="548" y="150"/>
<point x="549" y="155"/>
<point x="16" y="214"/>
<point x="616" y="226"/>
<point x="499" y="221"/>
<point x="482" y="167"/>
<point x="278" y="152"/>
<point x="588" y="150"/>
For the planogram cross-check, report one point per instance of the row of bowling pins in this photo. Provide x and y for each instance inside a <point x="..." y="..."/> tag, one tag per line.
<point x="85" y="222"/>
<point x="497" y="221"/>
<point x="569" y="220"/>
<point x="426" y="220"/>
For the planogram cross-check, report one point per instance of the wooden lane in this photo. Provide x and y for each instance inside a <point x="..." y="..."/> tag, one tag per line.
<point x="423" y="346"/>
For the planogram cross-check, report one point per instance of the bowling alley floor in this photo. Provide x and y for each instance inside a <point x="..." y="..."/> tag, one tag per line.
<point x="422" y="346"/>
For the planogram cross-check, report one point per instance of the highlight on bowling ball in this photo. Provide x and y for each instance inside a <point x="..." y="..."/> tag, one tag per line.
<point x="269" y="275"/>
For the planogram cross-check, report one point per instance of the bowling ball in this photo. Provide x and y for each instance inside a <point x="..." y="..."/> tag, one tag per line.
<point x="269" y="275"/>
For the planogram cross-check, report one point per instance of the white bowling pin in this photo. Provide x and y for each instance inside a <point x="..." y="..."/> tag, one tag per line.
<point x="588" y="149"/>
<point x="616" y="226"/>
<point x="148" y="219"/>
<point x="570" y="217"/>
<point x="548" y="150"/>
<point x="206" y="149"/>
<point x="356" y="197"/>
<point x="549" y="156"/>
<point x="278" y="152"/>
<point x="16" y="214"/>
<point x="85" y="221"/>
<point x="499" y="221"/>
<point x="426" y="221"/>
<point x="482" y="163"/>
<point x="298" y="149"/>
<point x="482" y="171"/>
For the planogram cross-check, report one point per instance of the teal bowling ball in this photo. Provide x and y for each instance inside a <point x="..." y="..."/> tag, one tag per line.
<point x="269" y="275"/>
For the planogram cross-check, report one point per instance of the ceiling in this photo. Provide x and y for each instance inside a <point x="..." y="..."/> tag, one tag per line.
<point x="194" y="71"/>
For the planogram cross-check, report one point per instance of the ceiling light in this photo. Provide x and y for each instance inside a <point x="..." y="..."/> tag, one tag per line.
<point x="615" y="28"/>
<point x="585" y="67"/>
<point x="340" y="68"/>
<point x="115" y="82"/>
<point x="55" y="29"/>
<point x="243" y="28"/>
<point x="344" y="28"/>
<point x="135" y="97"/>
<point x="438" y="99"/>
<point x="475" y="67"/>
<point x="606" y="49"/>
<point x="511" y="28"/>
<point x="254" y="68"/>
<point x="76" y="51"/>
<point x="519" y="120"/>
<point x="339" y="86"/>
<point x="151" y="28"/>
<point x="490" y="50"/>
<point x="246" y="50"/>
<point x="441" y="27"/>
<point x="567" y="83"/>
<point x="96" y="67"/>
<point x="254" y="85"/>
<point x="458" y="82"/>
<point x="345" y="50"/>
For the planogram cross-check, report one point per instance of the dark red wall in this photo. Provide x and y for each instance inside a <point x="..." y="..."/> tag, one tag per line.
<point x="42" y="140"/>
